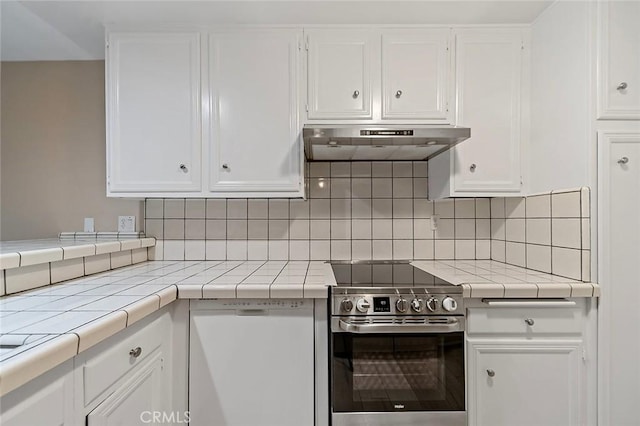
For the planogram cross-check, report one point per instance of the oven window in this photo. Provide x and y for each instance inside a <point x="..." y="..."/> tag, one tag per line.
<point x="384" y="373"/>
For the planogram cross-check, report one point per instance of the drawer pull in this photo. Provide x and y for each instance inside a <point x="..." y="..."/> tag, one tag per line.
<point x="136" y="352"/>
<point x="491" y="373"/>
<point x="529" y="321"/>
<point x="530" y="303"/>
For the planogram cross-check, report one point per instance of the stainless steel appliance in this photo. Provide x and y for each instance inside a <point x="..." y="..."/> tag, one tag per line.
<point x="375" y="143"/>
<point x="396" y="347"/>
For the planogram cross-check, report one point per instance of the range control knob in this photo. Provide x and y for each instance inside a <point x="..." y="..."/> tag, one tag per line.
<point x="402" y="305"/>
<point x="362" y="305"/>
<point x="347" y="305"/>
<point x="417" y="305"/>
<point x="449" y="304"/>
<point x="432" y="304"/>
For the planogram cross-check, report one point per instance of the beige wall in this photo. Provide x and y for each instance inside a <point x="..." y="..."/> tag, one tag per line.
<point x="52" y="165"/>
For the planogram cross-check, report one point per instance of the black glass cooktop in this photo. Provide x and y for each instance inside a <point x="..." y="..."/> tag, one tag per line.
<point x="384" y="273"/>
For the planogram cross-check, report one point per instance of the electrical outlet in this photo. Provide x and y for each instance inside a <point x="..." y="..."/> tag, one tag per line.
<point x="126" y="223"/>
<point x="88" y="225"/>
<point x="434" y="222"/>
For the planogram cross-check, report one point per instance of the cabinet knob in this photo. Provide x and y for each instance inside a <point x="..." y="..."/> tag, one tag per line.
<point x="491" y="373"/>
<point x="225" y="166"/>
<point x="622" y="86"/>
<point x="136" y="352"/>
<point x="398" y="93"/>
<point x="184" y="168"/>
<point x="529" y="321"/>
<point x="623" y="160"/>
<point x="356" y="93"/>
<point x="472" y="167"/>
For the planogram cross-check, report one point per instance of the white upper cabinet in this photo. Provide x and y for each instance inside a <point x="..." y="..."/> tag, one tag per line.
<point x="153" y="112"/>
<point x="415" y="74"/>
<point x="245" y="139"/>
<point x="340" y="66"/>
<point x="378" y="75"/>
<point x="619" y="60"/>
<point x="489" y="78"/>
<point x="254" y="80"/>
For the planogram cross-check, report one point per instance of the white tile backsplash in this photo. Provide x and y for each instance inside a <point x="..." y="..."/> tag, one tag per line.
<point x="539" y="231"/>
<point x="374" y="210"/>
<point x="566" y="233"/>
<point x="566" y="204"/>
<point x="566" y="262"/>
<point x="556" y="233"/>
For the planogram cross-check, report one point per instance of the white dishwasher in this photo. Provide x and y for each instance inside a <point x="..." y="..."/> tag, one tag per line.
<point x="251" y="362"/>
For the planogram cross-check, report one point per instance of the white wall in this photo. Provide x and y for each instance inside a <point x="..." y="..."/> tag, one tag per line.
<point x="561" y="113"/>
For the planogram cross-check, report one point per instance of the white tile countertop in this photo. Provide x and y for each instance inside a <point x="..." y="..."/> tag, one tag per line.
<point x="14" y="254"/>
<point x="488" y="278"/>
<point x="41" y="328"/>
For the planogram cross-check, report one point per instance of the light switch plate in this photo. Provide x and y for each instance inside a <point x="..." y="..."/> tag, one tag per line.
<point x="89" y="225"/>
<point x="126" y="223"/>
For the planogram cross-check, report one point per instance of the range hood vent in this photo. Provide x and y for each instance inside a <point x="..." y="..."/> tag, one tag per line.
<point x="379" y="143"/>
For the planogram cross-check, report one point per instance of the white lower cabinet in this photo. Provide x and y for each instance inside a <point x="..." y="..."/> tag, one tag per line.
<point x="133" y="377"/>
<point x="525" y="367"/>
<point x="252" y="363"/>
<point x="138" y="401"/>
<point x="45" y="401"/>
<point x="524" y="383"/>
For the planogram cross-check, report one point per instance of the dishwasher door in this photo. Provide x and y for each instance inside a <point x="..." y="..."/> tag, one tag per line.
<point x="251" y="363"/>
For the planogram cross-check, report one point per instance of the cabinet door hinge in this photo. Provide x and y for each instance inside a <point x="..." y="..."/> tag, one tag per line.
<point x="584" y="355"/>
<point x="306" y="44"/>
<point x="522" y="45"/>
<point x="306" y="107"/>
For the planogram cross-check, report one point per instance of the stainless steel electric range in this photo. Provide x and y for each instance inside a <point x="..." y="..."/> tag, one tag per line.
<point x="396" y="347"/>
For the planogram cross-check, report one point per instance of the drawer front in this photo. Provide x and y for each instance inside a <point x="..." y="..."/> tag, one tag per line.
<point x="105" y="369"/>
<point x="527" y="321"/>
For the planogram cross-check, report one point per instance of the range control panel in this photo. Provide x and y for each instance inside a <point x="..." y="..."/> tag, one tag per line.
<point x="401" y="304"/>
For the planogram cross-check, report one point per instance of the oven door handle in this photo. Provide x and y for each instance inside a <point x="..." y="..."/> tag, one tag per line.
<point x="453" y="326"/>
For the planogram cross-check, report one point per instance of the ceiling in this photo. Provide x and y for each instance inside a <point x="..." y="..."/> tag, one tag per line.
<point x="74" y="30"/>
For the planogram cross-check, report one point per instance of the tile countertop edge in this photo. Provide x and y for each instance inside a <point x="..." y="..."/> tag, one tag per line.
<point x="517" y="289"/>
<point x="22" y="368"/>
<point x="64" y="250"/>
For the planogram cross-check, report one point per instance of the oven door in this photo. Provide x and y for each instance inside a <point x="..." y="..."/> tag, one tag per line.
<point x="383" y="373"/>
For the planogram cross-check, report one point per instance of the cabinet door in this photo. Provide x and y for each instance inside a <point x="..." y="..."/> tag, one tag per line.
<point x="415" y="74"/>
<point x="45" y="401"/>
<point x="525" y="383"/>
<point x="252" y="367"/>
<point x="339" y="74"/>
<point x="618" y="266"/>
<point x="255" y="143"/>
<point x="153" y="112"/>
<point x="135" y="402"/>
<point x="619" y="60"/>
<point x="488" y="82"/>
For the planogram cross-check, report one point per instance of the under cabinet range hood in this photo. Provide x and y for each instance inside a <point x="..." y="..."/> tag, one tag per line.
<point x="379" y="143"/>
